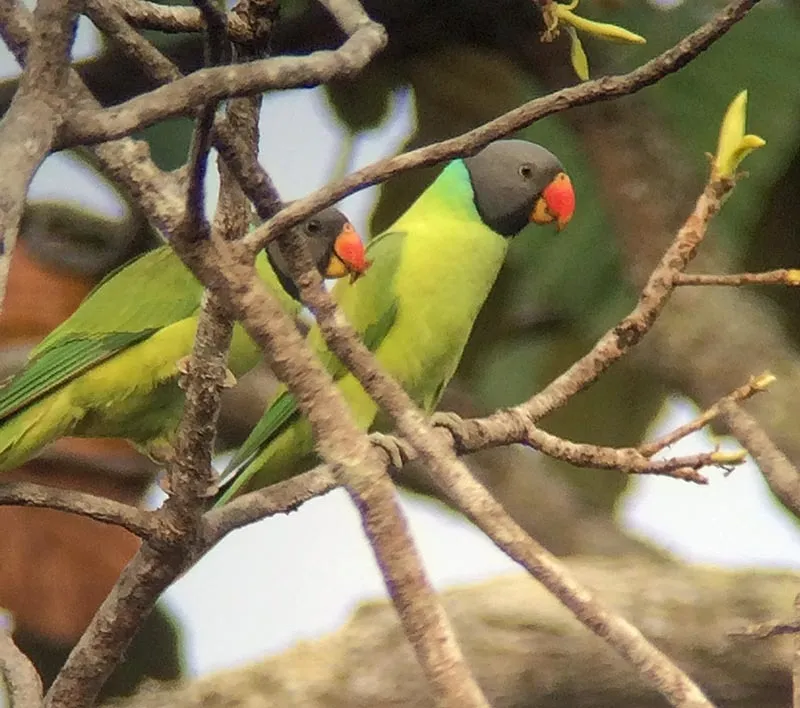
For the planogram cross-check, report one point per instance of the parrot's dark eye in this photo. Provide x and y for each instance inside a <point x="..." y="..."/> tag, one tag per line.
<point x="314" y="226"/>
<point x="526" y="171"/>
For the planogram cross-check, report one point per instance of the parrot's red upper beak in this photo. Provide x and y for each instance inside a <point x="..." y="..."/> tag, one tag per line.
<point x="557" y="202"/>
<point x="349" y="255"/>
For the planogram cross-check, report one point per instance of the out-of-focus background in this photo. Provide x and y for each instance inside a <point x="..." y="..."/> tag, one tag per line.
<point x="637" y="165"/>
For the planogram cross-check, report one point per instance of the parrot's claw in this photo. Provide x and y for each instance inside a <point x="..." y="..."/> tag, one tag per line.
<point x="230" y="379"/>
<point x="212" y="490"/>
<point x="163" y="483"/>
<point x="160" y="452"/>
<point x="184" y="366"/>
<point x="397" y="450"/>
<point x="452" y="422"/>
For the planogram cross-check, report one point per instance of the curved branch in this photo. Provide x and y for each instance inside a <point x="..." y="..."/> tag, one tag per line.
<point x="281" y="498"/>
<point x="29" y="128"/>
<point x="140" y="522"/>
<point x="781" y="475"/>
<point x="19" y="674"/>
<point x="184" y="96"/>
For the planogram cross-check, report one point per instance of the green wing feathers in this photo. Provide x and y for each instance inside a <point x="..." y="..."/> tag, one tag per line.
<point x="282" y="438"/>
<point x="77" y="368"/>
<point x="59" y="364"/>
<point x="25" y="434"/>
<point x="149" y="292"/>
<point x="282" y="411"/>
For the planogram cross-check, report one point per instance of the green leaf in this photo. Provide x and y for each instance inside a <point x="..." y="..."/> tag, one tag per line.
<point x="733" y="144"/>
<point x="577" y="56"/>
<point x="601" y="30"/>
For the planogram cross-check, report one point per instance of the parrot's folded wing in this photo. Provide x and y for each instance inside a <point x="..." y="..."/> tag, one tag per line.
<point x="59" y="365"/>
<point x="283" y="412"/>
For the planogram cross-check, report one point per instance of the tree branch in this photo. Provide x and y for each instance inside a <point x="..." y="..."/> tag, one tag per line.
<point x="781" y="475"/>
<point x="21" y="678"/>
<point x="757" y="384"/>
<point x="173" y="19"/>
<point x="184" y="96"/>
<point x="216" y="47"/>
<point x="280" y="498"/>
<point x="140" y="522"/>
<point x="782" y="276"/>
<point x="29" y="128"/>
<point x="189" y="474"/>
<point x="796" y="662"/>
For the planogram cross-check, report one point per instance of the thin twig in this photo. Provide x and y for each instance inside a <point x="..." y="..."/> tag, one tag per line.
<point x="173" y="19"/>
<point x="281" y="498"/>
<point x="628" y="460"/>
<point x="21" y="678"/>
<point x="185" y="95"/>
<point x="216" y="45"/>
<point x="191" y="477"/>
<point x="106" y="16"/>
<point x="767" y="630"/>
<point x="141" y="522"/>
<point x="781" y="475"/>
<point x="29" y="128"/>
<point x="216" y="32"/>
<point x="783" y="276"/>
<point x="750" y="389"/>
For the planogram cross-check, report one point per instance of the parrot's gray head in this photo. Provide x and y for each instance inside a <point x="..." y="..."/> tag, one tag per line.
<point x="335" y="247"/>
<point x="516" y="182"/>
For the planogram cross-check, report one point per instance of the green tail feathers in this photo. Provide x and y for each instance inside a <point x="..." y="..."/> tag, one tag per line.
<point x="290" y="451"/>
<point x="25" y="433"/>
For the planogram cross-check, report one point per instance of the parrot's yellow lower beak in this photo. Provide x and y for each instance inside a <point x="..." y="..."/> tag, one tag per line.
<point x="348" y="256"/>
<point x="557" y="203"/>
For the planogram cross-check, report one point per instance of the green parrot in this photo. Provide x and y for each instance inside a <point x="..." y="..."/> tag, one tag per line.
<point x="112" y="369"/>
<point x="431" y="272"/>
